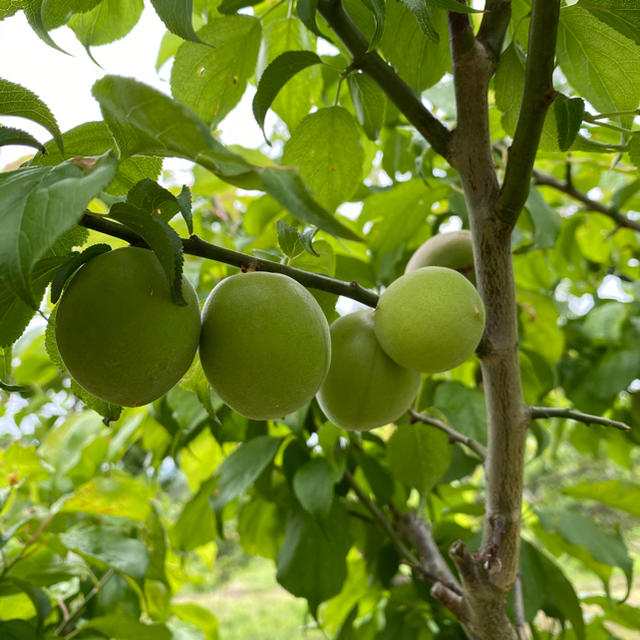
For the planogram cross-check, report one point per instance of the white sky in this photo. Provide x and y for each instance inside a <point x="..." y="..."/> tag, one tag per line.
<point x="64" y="82"/>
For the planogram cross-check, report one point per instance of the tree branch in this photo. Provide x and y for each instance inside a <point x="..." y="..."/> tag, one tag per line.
<point x="493" y="27"/>
<point x="567" y="187"/>
<point x="419" y="533"/>
<point x="537" y="96"/>
<point x="454" y="436"/>
<point x="398" y="91"/>
<point x="195" y="246"/>
<point x="538" y="413"/>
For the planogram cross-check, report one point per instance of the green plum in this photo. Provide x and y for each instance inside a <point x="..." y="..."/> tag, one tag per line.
<point x="118" y="331"/>
<point x="430" y="319"/>
<point x="452" y="249"/>
<point x="265" y="346"/>
<point x="364" y="387"/>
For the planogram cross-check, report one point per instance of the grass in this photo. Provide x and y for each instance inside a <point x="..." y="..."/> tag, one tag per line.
<point x="251" y="605"/>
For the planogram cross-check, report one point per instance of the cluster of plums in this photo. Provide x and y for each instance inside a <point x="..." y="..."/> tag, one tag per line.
<point x="265" y="345"/>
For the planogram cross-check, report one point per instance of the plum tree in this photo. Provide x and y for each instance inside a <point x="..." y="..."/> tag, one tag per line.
<point x="453" y="250"/>
<point x="364" y="387"/>
<point x="265" y="345"/>
<point x="430" y="320"/>
<point x="118" y="331"/>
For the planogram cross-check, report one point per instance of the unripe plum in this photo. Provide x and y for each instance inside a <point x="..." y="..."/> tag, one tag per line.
<point x="364" y="387"/>
<point x="265" y="345"/>
<point x="118" y="331"/>
<point x="452" y="249"/>
<point x="430" y="320"/>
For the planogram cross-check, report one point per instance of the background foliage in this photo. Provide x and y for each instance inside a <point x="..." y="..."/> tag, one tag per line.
<point x="108" y="516"/>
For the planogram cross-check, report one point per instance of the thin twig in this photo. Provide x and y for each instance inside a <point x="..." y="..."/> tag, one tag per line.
<point x="454" y="436"/>
<point x="68" y="621"/>
<point x="536" y="99"/>
<point x="546" y="180"/>
<point x="518" y="608"/>
<point x="196" y="246"/>
<point x="382" y="520"/>
<point x="537" y="413"/>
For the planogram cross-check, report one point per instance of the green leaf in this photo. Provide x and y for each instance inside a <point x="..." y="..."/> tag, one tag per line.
<point x="453" y="5"/>
<point x="306" y="10"/>
<point x="369" y="102"/>
<point x="579" y="530"/>
<point x="325" y="147"/>
<point x="93" y="139"/>
<point x="17" y="629"/>
<point x="71" y="266"/>
<point x="288" y="238"/>
<point x="621" y="15"/>
<point x="19" y="464"/>
<point x="108" y="21"/>
<point x="109" y="546"/>
<point x="15" y="313"/>
<point x="116" y="495"/>
<point x="311" y="561"/>
<point x="634" y="151"/>
<point x="569" y="112"/>
<point x="12" y="136"/>
<point x="229" y="7"/>
<point x="287" y="188"/>
<point x="303" y="90"/>
<point x="419" y="60"/>
<point x="419" y="455"/>
<point x="464" y="409"/>
<point x="616" y="612"/>
<point x="176" y="15"/>
<point x="546" y="587"/>
<point x="619" y="494"/>
<point x="196" y="524"/>
<point x="377" y="476"/>
<point x="377" y="8"/>
<point x="546" y="220"/>
<point x="261" y="528"/>
<point x="313" y="486"/>
<point x="584" y="49"/>
<point x="145" y="121"/>
<point x="162" y="238"/>
<point x="422" y="14"/>
<point x="38" y="205"/>
<point x="123" y="627"/>
<point x="18" y="101"/>
<point x="210" y="80"/>
<point x="604" y="323"/>
<point x="275" y="76"/>
<point x="33" y="12"/>
<point x="198" y="616"/>
<point x="55" y="13"/>
<point x="397" y="215"/>
<point x="240" y="469"/>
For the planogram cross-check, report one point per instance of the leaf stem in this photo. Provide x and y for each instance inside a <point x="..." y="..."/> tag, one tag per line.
<point x="196" y="246"/>
<point x="454" y="436"/>
<point x="614" y="114"/>
<point x="538" y="413"/>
